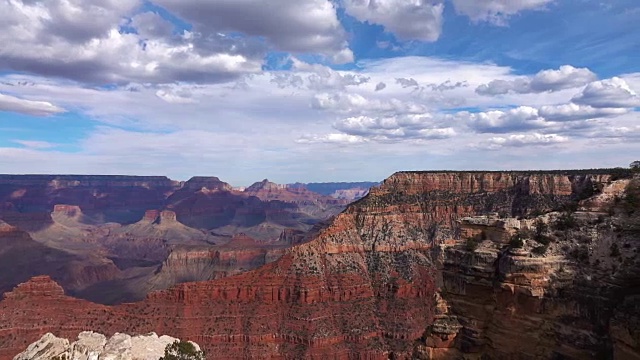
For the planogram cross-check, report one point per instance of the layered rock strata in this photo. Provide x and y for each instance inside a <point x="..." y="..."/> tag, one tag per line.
<point x="392" y="277"/>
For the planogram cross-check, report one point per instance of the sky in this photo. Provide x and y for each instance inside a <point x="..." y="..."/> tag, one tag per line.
<point x="317" y="90"/>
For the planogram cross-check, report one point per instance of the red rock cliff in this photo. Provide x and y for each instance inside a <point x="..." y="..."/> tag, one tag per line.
<point x="366" y="287"/>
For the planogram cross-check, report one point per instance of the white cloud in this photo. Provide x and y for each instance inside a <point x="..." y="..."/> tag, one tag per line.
<point x="302" y="26"/>
<point x="571" y="112"/>
<point x="91" y="41"/>
<point x="334" y="138"/>
<point x="609" y="93"/>
<point x="523" y="140"/>
<point x="499" y="121"/>
<point x="320" y="77"/>
<point x="82" y="40"/>
<point x="407" y="19"/>
<point x="176" y="96"/>
<point x="566" y="77"/>
<point x="29" y="107"/>
<point x="263" y="126"/>
<point x="395" y="128"/>
<point x="358" y="104"/>
<point x="496" y="12"/>
<point x="631" y="132"/>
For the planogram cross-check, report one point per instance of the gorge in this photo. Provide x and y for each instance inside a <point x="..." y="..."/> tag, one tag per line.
<point x="429" y="265"/>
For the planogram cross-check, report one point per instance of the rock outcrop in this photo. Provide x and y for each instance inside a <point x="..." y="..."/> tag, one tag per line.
<point x="101" y="237"/>
<point x="392" y="277"/>
<point x="96" y="346"/>
<point x="552" y="286"/>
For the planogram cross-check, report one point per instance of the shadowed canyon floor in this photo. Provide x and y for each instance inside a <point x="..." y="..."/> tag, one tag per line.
<point x="430" y="265"/>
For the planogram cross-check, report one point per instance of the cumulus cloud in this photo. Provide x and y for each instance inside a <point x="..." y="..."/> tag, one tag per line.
<point x="357" y="104"/>
<point x="320" y="77"/>
<point x="267" y="126"/>
<point x="407" y="19"/>
<point x="499" y="121"/>
<point x="286" y="79"/>
<point x="29" y="107"/>
<point x="395" y="128"/>
<point x="83" y="40"/>
<point x="496" y="12"/>
<point x="572" y="112"/>
<point x="566" y="77"/>
<point x="609" y="93"/>
<point x="523" y="140"/>
<point x="74" y="21"/>
<point x="302" y="26"/>
<point x="113" y="42"/>
<point x="616" y="132"/>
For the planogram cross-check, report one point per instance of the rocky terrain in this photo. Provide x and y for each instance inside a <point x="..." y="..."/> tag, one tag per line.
<point x="96" y="346"/>
<point x="111" y="239"/>
<point x="446" y="265"/>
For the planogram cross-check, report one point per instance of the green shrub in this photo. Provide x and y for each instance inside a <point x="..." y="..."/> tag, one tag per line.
<point x="565" y="222"/>
<point x="516" y="241"/>
<point x="539" y="234"/>
<point x="541" y="228"/>
<point x="471" y="244"/>
<point x="540" y="250"/>
<point x="182" y="350"/>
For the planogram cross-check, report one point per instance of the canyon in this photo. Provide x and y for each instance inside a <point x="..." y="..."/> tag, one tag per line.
<point x="428" y="265"/>
<point x="113" y="239"/>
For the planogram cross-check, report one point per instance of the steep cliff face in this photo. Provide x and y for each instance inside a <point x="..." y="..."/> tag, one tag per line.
<point x="559" y="285"/>
<point x="393" y="277"/>
<point x="185" y="264"/>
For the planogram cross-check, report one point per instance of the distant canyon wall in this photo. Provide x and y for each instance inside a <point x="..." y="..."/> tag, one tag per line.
<point x="393" y="276"/>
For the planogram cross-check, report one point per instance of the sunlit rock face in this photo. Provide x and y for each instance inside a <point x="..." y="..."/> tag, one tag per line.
<point x="95" y="346"/>
<point x="428" y="265"/>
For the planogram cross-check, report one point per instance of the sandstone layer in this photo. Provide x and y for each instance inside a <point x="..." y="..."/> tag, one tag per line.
<point x="394" y="277"/>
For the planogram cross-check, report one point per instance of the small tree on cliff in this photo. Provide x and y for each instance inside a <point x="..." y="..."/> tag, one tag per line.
<point x="635" y="166"/>
<point x="182" y="350"/>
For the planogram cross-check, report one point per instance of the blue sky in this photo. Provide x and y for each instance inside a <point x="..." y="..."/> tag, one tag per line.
<point x="316" y="90"/>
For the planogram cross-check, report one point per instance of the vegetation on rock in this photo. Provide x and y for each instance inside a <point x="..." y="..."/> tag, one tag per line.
<point x="516" y="241"/>
<point x="182" y="350"/>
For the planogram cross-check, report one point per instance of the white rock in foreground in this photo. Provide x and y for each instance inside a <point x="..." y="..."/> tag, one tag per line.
<point x="95" y="346"/>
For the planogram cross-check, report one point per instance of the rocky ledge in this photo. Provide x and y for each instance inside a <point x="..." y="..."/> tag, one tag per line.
<point x="95" y="346"/>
